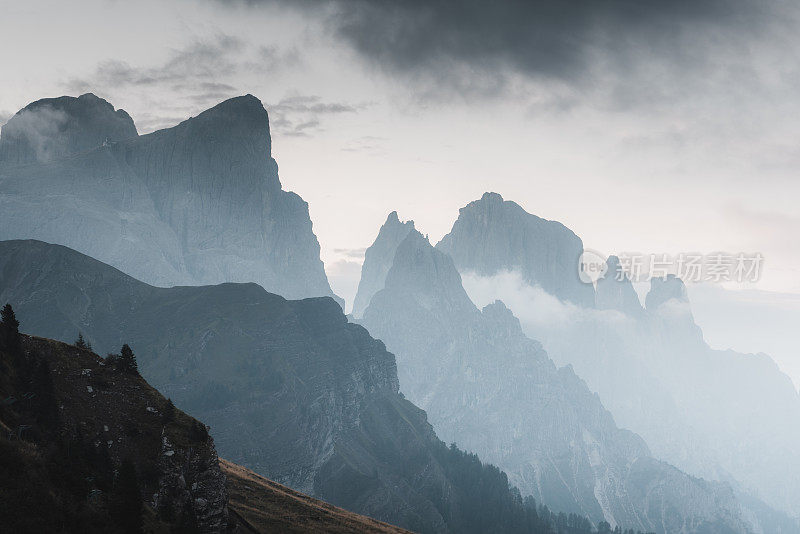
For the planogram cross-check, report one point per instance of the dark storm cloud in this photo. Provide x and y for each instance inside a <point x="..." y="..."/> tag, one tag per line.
<point x="549" y="37"/>
<point x="481" y="46"/>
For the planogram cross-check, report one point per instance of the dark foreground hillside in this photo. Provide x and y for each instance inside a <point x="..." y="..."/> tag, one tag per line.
<point x="89" y="446"/>
<point x="86" y="445"/>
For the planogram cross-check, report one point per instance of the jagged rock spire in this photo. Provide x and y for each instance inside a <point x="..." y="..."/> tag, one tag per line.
<point x="615" y="291"/>
<point x="378" y="260"/>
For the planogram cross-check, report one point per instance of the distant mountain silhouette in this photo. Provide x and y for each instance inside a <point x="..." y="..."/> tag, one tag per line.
<point x="488" y="387"/>
<point x="708" y="412"/>
<point x="492" y="235"/>
<point x="198" y="203"/>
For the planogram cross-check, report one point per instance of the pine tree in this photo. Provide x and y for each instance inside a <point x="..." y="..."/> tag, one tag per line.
<point x="9" y="319"/>
<point x="80" y="343"/>
<point x="128" y="360"/>
<point x="169" y="412"/>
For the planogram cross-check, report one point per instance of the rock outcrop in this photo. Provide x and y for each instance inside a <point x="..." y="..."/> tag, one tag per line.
<point x="78" y="418"/>
<point x="488" y="387"/>
<point x="493" y="235"/>
<point x="378" y="260"/>
<point x="198" y="203"/>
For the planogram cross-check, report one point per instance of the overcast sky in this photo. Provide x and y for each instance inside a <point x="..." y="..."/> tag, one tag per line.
<point x="643" y="126"/>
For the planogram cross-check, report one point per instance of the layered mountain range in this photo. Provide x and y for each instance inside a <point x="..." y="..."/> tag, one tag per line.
<point x="710" y="413"/>
<point x="488" y="387"/>
<point x="296" y="392"/>
<point x="199" y="203"/>
<point x="291" y="389"/>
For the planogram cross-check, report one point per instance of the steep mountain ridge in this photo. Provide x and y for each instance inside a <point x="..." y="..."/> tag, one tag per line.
<point x="291" y="389"/>
<point x="197" y="203"/>
<point x="487" y="386"/>
<point x="378" y="260"/>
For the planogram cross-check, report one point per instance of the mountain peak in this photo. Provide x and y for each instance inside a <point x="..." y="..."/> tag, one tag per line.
<point x="492" y="235"/>
<point x="430" y="274"/>
<point x="393" y="221"/>
<point x="491" y="196"/>
<point x="665" y="289"/>
<point x="241" y="121"/>
<point x="53" y="128"/>
<point x="615" y="292"/>
<point x="378" y="259"/>
<point x="242" y="104"/>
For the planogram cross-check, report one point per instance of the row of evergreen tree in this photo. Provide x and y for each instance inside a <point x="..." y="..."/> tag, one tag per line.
<point x="489" y="504"/>
<point x="124" y="360"/>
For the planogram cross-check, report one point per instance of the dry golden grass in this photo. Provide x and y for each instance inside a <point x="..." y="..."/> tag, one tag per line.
<point x="271" y="507"/>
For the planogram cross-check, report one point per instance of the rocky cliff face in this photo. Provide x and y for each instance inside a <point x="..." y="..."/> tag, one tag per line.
<point x="488" y="387"/>
<point x="493" y="235"/>
<point x="53" y="128"/>
<point x="378" y="260"/>
<point x="198" y="203"/>
<point x="289" y="388"/>
<point x="615" y="291"/>
<point x="84" y="417"/>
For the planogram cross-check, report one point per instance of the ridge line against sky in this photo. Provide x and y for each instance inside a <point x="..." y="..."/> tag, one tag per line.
<point x="657" y="127"/>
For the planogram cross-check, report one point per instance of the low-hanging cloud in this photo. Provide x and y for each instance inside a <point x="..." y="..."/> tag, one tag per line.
<point x="38" y="128"/>
<point x="534" y="307"/>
